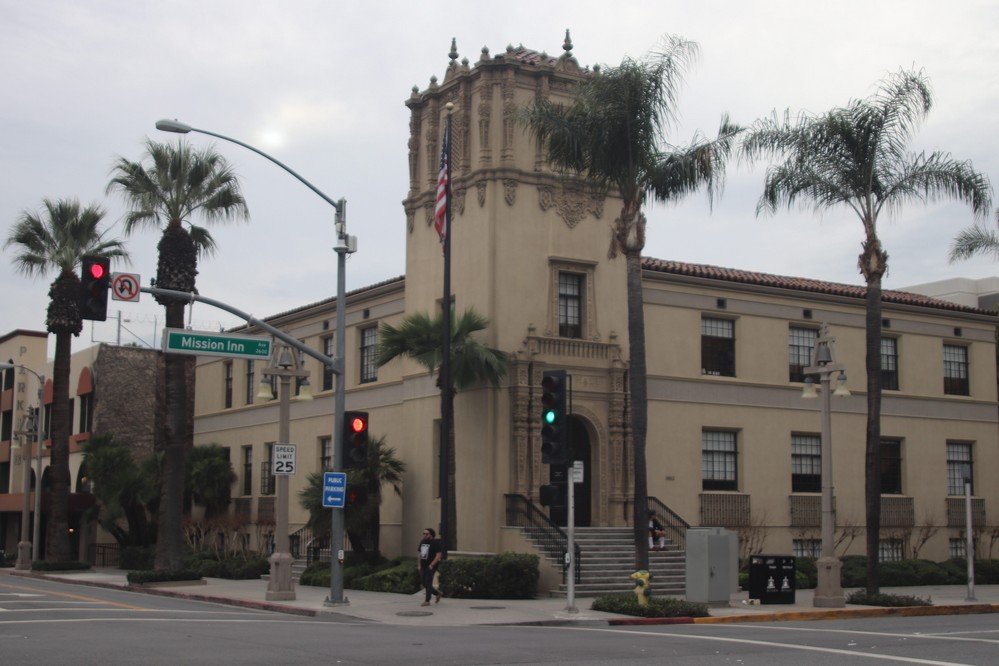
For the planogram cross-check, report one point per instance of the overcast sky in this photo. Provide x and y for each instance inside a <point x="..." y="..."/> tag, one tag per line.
<point x="321" y="84"/>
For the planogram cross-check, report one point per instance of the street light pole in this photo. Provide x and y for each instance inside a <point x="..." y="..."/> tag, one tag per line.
<point x="283" y="366"/>
<point x="27" y="551"/>
<point x="345" y="245"/>
<point x="829" y="589"/>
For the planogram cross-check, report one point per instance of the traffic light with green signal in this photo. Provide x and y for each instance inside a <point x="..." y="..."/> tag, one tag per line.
<point x="355" y="440"/>
<point x="95" y="278"/>
<point x="554" y="419"/>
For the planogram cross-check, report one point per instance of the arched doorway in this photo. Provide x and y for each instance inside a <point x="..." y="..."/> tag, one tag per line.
<point x="580" y="435"/>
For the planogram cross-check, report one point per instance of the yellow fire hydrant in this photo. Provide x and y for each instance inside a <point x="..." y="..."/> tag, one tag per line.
<point x="642" y="588"/>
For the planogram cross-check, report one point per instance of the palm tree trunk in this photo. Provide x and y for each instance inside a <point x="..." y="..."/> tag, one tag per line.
<point x="872" y="466"/>
<point x="57" y="533"/>
<point x="179" y="436"/>
<point x="639" y="406"/>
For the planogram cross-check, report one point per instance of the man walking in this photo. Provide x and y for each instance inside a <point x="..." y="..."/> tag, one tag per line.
<point x="426" y="563"/>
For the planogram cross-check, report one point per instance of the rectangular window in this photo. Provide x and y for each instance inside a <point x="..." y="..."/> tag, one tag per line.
<point x="800" y="343"/>
<point x="807" y="548"/>
<point x="325" y="454"/>
<point x="889" y="364"/>
<point x="266" y="467"/>
<point x="806" y="464"/>
<point x="718" y="460"/>
<point x="72" y="406"/>
<point x="570" y="305"/>
<point x="717" y="347"/>
<point x="227" y="384"/>
<point x="251" y="384"/>
<point x="890" y="550"/>
<point x="47" y="422"/>
<point x="960" y="466"/>
<point x="369" y="339"/>
<point x="329" y="350"/>
<point x="955" y="370"/>
<point x="891" y="467"/>
<point x="958" y="548"/>
<point x="247" y="470"/>
<point x="6" y="425"/>
<point x="86" y="412"/>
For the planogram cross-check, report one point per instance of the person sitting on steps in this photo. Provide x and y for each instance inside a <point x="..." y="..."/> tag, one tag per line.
<point x="657" y="533"/>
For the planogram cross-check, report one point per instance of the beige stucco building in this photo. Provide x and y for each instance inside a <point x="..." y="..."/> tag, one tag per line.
<point x="730" y="441"/>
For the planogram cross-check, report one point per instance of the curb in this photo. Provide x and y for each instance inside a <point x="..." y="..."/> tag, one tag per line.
<point x="852" y="613"/>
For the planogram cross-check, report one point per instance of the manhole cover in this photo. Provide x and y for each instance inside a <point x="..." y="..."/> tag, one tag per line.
<point x="487" y="607"/>
<point x="413" y="613"/>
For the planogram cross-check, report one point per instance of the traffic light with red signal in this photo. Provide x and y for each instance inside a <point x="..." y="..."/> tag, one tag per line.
<point x="355" y="440"/>
<point x="95" y="278"/>
<point x="356" y="495"/>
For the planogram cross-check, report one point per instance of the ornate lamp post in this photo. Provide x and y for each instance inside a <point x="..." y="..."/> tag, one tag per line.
<point x="27" y="550"/>
<point x="829" y="590"/>
<point x="284" y="367"/>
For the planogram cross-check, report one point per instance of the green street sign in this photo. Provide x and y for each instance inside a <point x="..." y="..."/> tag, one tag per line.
<point x="206" y="343"/>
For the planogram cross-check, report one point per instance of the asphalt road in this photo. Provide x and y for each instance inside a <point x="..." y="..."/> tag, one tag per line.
<point x="45" y="622"/>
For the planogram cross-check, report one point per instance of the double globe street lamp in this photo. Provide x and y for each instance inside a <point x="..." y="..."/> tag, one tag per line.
<point x="829" y="589"/>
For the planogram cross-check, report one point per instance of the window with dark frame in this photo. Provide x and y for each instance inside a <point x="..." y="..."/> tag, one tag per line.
<point x="800" y="343"/>
<point x="227" y="384"/>
<point x="247" y="470"/>
<point x="86" y="412"/>
<point x="325" y="454"/>
<point x="806" y="464"/>
<point x="960" y="466"/>
<point x="267" y="478"/>
<point x="251" y="387"/>
<point x="369" y="340"/>
<point x="891" y="467"/>
<point x="328" y="349"/>
<point x="890" y="550"/>
<point x="807" y="548"/>
<point x="889" y="364"/>
<point x="717" y="347"/>
<point x="718" y="460"/>
<point x="570" y="305"/>
<point x="955" y="360"/>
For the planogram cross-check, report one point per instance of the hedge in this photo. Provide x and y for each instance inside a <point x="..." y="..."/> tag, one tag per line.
<point x="141" y="577"/>
<point x="504" y="576"/>
<point x="42" y="565"/>
<point x="626" y="603"/>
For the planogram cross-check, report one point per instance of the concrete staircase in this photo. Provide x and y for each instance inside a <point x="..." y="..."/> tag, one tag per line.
<point x="608" y="558"/>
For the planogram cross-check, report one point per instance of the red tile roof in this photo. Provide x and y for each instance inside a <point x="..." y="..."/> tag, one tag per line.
<point x="799" y="284"/>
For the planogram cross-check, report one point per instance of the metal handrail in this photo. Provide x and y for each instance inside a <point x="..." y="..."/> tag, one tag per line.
<point x="554" y="542"/>
<point x="675" y="526"/>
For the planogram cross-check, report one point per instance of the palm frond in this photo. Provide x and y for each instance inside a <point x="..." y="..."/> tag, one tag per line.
<point x="975" y="240"/>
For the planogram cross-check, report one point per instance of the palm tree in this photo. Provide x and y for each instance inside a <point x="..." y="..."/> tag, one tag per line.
<point x="126" y="491"/>
<point x="614" y="133"/>
<point x="419" y="337"/>
<point x="209" y="478"/>
<point x="977" y="239"/>
<point x="55" y="241"/>
<point x="364" y="521"/>
<point x="857" y="156"/>
<point x="179" y="184"/>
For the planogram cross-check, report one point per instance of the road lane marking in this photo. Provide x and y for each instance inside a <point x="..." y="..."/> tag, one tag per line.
<point x="939" y="636"/>
<point x="746" y="641"/>
<point x="78" y="597"/>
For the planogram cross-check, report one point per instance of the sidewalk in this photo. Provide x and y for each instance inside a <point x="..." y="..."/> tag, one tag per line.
<point x="387" y="608"/>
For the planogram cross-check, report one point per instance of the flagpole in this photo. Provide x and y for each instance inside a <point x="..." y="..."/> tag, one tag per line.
<point x="447" y="539"/>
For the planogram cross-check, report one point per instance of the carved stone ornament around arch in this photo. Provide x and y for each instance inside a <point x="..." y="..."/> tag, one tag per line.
<point x="510" y="191"/>
<point x="459" y="199"/>
<point x="410" y="220"/>
<point x="428" y="209"/>
<point x="571" y="203"/>
<point x="480" y="191"/>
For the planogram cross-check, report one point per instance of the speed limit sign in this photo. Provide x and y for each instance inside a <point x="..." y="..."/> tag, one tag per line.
<point x="283" y="460"/>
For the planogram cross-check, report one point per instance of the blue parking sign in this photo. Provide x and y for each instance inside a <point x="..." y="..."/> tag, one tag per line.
<point x="334" y="489"/>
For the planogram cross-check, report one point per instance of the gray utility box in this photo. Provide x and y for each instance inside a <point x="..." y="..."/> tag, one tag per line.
<point x="712" y="565"/>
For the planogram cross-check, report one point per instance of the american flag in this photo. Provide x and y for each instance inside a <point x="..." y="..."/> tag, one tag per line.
<point x="440" y="211"/>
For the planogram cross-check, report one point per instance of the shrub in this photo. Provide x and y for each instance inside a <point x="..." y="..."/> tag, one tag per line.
<point x="7" y="559"/>
<point x="894" y="600"/>
<point x="806" y="573"/>
<point x="504" y="576"/>
<point x="627" y="604"/>
<point x="854" y="571"/>
<point x="317" y="574"/>
<point x="149" y="576"/>
<point x="42" y="565"/>
<point x="401" y="579"/>
<point x="245" y="566"/>
<point x="137" y="557"/>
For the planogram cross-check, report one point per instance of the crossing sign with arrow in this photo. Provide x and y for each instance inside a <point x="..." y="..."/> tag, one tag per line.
<point x="334" y="489"/>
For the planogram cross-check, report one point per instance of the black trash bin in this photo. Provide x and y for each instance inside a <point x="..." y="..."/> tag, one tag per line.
<point x="771" y="579"/>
